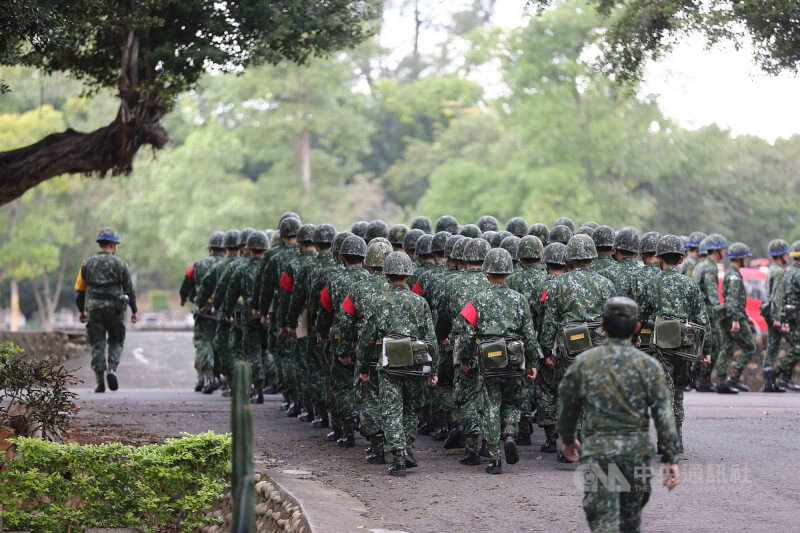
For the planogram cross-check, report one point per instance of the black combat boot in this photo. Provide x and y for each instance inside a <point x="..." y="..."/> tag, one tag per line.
<point x="111" y="377"/>
<point x="785" y="382"/>
<point x="454" y="437"/>
<point x="737" y="384"/>
<point x="347" y="441"/>
<point x="271" y="389"/>
<point x="376" y="458"/>
<point x="200" y="384"/>
<point x="427" y="427"/>
<point x="258" y="397"/>
<point x="471" y="457"/>
<point x="294" y="406"/>
<point x="101" y="382"/>
<point x="211" y="385"/>
<point x="334" y="435"/>
<point x="308" y="416"/>
<point x="724" y="387"/>
<point x="525" y="430"/>
<point x="549" y="446"/>
<point x="706" y="386"/>
<point x="321" y="421"/>
<point x="510" y="446"/>
<point x="440" y="435"/>
<point x="410" y="460"/>
<point x="484" y="452"/>
<point x="494" y="467"/>
<point x="398" y="467"/>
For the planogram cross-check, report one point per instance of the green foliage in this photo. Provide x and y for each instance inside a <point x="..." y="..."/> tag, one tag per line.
<point x="59" y="487"/>
<point x="159" y="300"/>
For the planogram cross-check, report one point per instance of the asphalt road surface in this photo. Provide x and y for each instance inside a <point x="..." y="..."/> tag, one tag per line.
<point x="740" y="472"/>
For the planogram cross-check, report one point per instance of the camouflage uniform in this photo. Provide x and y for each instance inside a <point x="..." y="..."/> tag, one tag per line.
<point x="791" y="305"/>
<point x="734" y="296"/>
<point x="204" y="324"/>
<point x="643" y="277"/>
<point x="774" y="289"/>
<point x="623" y="275"/>
<point x="706" y="275"/>
<point x="689" y="264"/>
<point x="602" y="262"/>
<point x="223" y="363"/>
<point x="544" y="391"/>
<point x="233" y="350"/>
<point x="612" y="386"/>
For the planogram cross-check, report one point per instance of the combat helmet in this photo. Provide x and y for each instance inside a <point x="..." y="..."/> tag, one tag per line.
<point x="517" y="226"/>
<point x="397" y="234"/>
<point x="360" y="228"/>
<point x="410" y="242"/>
<point x="511" y="244"/>
<point x="257" y="241"/>
<point x="306" y="233"/>
<point x="530" y="247"/>
<point x="487" y="236"/>
<point x="560" y="233"/>
<point x="685" y="241"/>
<point x="287" y="214"/>
<point x="554" y="254"/>
<point x="712" y="242"/>
<point x="580" y="248"/>
<point x="450" y="243"/>
<point x="243" y="235"/>
<point x="458" y="248"/>
<point x="376" y="253"/>
<point x="603" y="237"/>
<point x="215" y="240"/>
<point x="649" y="241"/>
<point x="108" y="234"/>
<point x="424" y="245"/>
<point x="355" y="246"/>
<point x="627" y="240"/>
<point x="422" y="223"/>
<point x="777" y="247"/>
<point x="498" y="261"/>
<point x="377" y="228"/>
<point x="324" y="234"/>
<point x="471" y="230"/>
<point x="289" y="227"/>
<point x="592" y="224"/>
<point x="336" y="244"/>
<point x="487" y="223"/>
<point x="738" y="250"/>
<point x="438" y="241"/>
<point x="584" y="230"/>
<point x="794" y="250"/>
<point x="498" y="238"/>
<point x="398" y="264"/>
<point x="695" y="238"/>
<point x="476" y="250"/>
<point x="447" y="223"/>
<point x="565" y="221"/>
<point x="231" y="239"/>
<point x="275" y="239"/>
<point x="621" y="308"/>
<point x="670" y="244"/>
<point x="541" y="231"/>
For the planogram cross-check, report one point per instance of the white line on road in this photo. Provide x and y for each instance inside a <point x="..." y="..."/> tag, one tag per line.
<point x="138" y="353"/>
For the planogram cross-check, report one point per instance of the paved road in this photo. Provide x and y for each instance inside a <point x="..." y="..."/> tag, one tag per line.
<point x="740" y="473"/>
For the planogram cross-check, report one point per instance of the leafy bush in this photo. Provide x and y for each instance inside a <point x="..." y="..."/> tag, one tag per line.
<point x="58" y="487"/>
<point x="34" y="394"/>
<point x="159" y="300"/>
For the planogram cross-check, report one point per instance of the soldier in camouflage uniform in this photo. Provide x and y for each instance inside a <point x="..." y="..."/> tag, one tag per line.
<point x="671" y="294"/>
<point x="611" y="388"/>
<point x="397" y="235"/>
<point x="103" y="292"/>
<point x="499" y="311"/>
<point x="511" y="245"/>
<point x="446" y="223"/>
<point x="424" y="253"/>
<point x="399" y="312"/>
<point x="517" y="227"/>
<point x="360" y="228"/>
<point x="541" y="231"/>
<point x="565" y="221"/>
<point x="706" y="275"/>
<point x="791" y="324"/>
<point x="623" y="272"/>
<point x="204" y="325"/>
<point x="772" y="307"/>
<point x="560" y="233"/>
<point x="647" y="250"/>
<point x="487" y="223"/>
<point x="422" y="223"/>
<point x="692" y="253"/>
<point x="603" y="237"/>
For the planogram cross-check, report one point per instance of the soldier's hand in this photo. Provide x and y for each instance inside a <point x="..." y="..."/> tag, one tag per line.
<point x="706" y="359"/>
<point x="548" y="362"/>
<point x="292" y="332"/>
<point x="213" y="310"/>
<point x="433" y="380"/>
<point x="363" y="377"/>
<point x="532" y="373"/>
<point x="183" y="302"/>
<point x="345" y="360"/>
<point x="735" y="326"/>
<point x="776" y="323"/>
<point x="445" y="341"/>
<point x="465" y="368"/>
<point x="284" y="332"/>
<point x="672" y="476"/>
<point x="254" y="312"/>
<point x="134" y="318"/>
<point x="264" y="321"/>
<point x="229" y="319"/>
<point x="572" y="452"/>
<point x="82" y="318"/>
<point x="785" y="327"/>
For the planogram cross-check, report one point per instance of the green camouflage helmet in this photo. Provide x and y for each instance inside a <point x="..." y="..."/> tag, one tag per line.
<point x="354" y="245"/>
<point x="108" y="234"/>
<point x="580" y="248"/>
<point x="695" y="238"/>
<point x="243" y="235"/>
<point x="424" y="245"/>
<point x="377" y="228"/>
<point x="231" y="239"/>
<point x="324" y="234"/>
<point x="584" y="230"/>
<point x="715" y="241"/>
<point x="794" y="250"/>
<point x="447" y="223"/>
<point x="422" y="223"/>
<point x="439" y="240"/>
<point x="289" y="228"/>
<point x="476" y="250"/>
<point x="398" y="264"/>
<point x="471" y="230"/>
<point x="450" y="244"/>
<point x="216" y="239"/>
<point x="565" y="221"/>
<point x="649" y="242"/>
<point x="275" y="239"/>
<point x="511" y="244"/>
<point x="592" y="224"/>
<point x="541" y="231"/>
<point x="377" y="252"/>
<point x="498" y="261"/>
<point x="380" y="239"/>
<point x="487" y="236"/>
<point x="257" y="241"/>
<point x="627" y="240"/>
<point x="517" y="226"/>
<point x="336" y="244"/>
<point x="410" y="242"/>
<point x="397" y="234"/>
<point x="306" y="233"/>
<point x="360" y="228"/>
<point x="777" y="247"/>
<point x="459" y="247"/>
<point x="530" y="247"/>
<point x="488" y="223"/>
<point x="560" y="233"/>
<point x="288" y="214"/>
<point x="498" y="238"/>
<point x="554" y="254"/>
<point x="603" y="236"/>
<point x="621" y="308"/>
<point x="738" y="250"/>
<point x="670" y="244"/>
<point x="685" y="241"/>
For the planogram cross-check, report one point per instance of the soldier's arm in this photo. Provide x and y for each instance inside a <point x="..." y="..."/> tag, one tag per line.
<point x="430" y="336"/>
<point x="569" y="405"/>
<point x="325" y="316"/>
<point x="736" y="294"/>
<point x="127" y="287"/>
<point x="256" y="299"/>
<point x="532" y="351"/>
<point x="207" y="287"/>
<point x="80" y="291"/>
<point x="298" y="298"/>
<point x="267" y="288"/>
<point x="188" y="285"/>
<point x="711" y="285"/>
<point x="346" y="320"/>
<point x="222" y="286"/>
<point x="550" y="322"/>
<point x="466" y="343"/>
<point x="776" y="297"/>
<point x="366" y="341"/>
<point x="232" y="294"/>
<point x="662" y="411"/>
<point x="698" y="308"/>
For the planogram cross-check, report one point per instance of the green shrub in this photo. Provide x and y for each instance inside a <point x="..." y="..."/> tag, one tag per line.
<point x="159" y="300"/>
<point x="55" y="487"/>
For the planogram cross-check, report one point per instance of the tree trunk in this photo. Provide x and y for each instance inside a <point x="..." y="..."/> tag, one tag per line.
<point x="302" y="145"/>
<point x="14" y="326"/>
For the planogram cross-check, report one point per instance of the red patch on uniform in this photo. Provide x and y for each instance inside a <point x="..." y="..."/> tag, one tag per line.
<point x="544" y="296"/>
<point x="417" y="289"/>
<point x="190" y="273"/>
<point x="348" y="306"/>
<point x="470" y="314"/>
<point x="287" y="283"/>
<point x="325" y="299"/>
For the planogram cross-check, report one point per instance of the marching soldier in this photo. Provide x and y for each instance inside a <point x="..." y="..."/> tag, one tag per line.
<point x="772" y="307"/>
<point x="706" y="275"/>
<point x="624" y="271"/>
<point x="692" y="254"/>
<point x="647" y="251"/>
<point x="603" y="238"/>
<point x="791" y="323"/>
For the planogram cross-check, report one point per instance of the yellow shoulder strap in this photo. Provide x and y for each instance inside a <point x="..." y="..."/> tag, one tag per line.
<point x="80" y="283"/>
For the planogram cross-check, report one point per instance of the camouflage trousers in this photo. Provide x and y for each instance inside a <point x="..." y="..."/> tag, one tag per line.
<point x="501" y="410"/>
<point x="469" y="397"/>
<point x="272" y="352"/>
<point x="730" y="341"/>
<point x="792" y="357"/>
<point x="343" y="391"/>
<point x="401" y="399"/>
<point x="546" y="401"/>
<point x="774" y="337"/>
<point x="305" y="356"/>
<point x="252" y="345"/>
<point x="221" y="349"/>
<point x="712" y="346"/>
<point x="370" y="407"/>
<point x="105" y="327"/>
<point x="235" y="342"/>
<point x="204" y="346"/>
<point x="609" y="507"/>
<point x="678" y="374"/>
<point x="315" y="376"/>
<point x="287" y="360"/>
<point x="560" y="368"/>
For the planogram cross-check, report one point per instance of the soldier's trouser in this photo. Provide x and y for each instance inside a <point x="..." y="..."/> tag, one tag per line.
<point x="616" y="505"/>
<point x="371" y="416"/>
<point x="327" y="369"/>
<point x="316" y="376"/>
<point x="546" y="404"/>
<point x="221" y="350"/>
<point x="273" y="342"/>
<point x="204" y="346"/>
<point x="774" y="336"/>
<point x="501" y="410"/>
<point x="677" y="373"/>
<point x="712" y="343"/>
<point x="287" y="360"/>
<point x="305" y="354"/>
<point x="744" y="340"/>
<point x="235" y="343"/>
<point x="469" y="398"/>
<point x="251" y="346"/>
<point x="401" y="399"/>
<point x="792" y="357"/>
<point x="105" y="326"/>
<point x="448" y="405"/>
<point x="343" y="390"/>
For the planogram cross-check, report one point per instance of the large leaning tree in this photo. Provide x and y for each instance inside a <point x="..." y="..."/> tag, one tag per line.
<point x="149" y="51"/>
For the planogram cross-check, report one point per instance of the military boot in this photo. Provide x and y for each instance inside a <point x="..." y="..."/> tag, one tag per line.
<point x="454" y="437"/>
<point x="271" y="389"/>
<point x="334" y="435"/>
<point x="737" y="384"/>
<point x="111" y="377"/>
<point x="785" y="382"/>
<point x="494" y="467"/>
<point x="550" y="444"/>
<point x="294" y="406"/>
<point x="525" y="430"/>
<point x="376" y="455"/>
<point x="484" y="452"/>
<point x="321" y="421"/>
<point x="398" y="467"/>
<point x="347" y="440"/>
<point x="510" y="446"/>
<point x="705" y="386"/>
<point x="724" y="387"/>
<point x="200" y="384"/>
<point x="408" y="457"/>
<point x="211" y="385"/>
<point x="471" y="457"/>
<point x="258" y="395"/>
<point x="308" y="416"/>
<point x="101" y="382"/>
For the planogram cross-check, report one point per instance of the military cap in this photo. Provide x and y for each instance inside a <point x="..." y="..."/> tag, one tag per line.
<point x="439" y="240"/>
<point x="306" y="233"/>
<point x="287" y="214"/>
<point x="397" y="234"/>
<point x="377" y="252"/>
<point x="257" y="241"/>
<point x="560" y="233"/>
<point x="517" y="226"/>
<point x="380" y="239"/>
<point x="498" y="261"/>
<point x="670" y="244"/>
<point x="354" y="245"/>
<point x="580" y="248"/>
<point x="585" y="230"/>
<point x="275" y="239"/>
<point x="511" y="244"/>
<point x="530" y="247"/>
<point x="738" y="250"/>
<point x="471" y="230"/>
<point x="324" y="234"/>
<point x="450" y="243"/>
<point x="777" y="247"/>
<point x="398" y="264"/>
<point x="289" y="227"/>
<point x="360" y="228"/>
<point x="215" y="240"/>
<point x="603" y="236"/>
<point x="336" y="245"/>
<point x="108" y="234"/>
<point x="447" y="223"/>
<point x="476" y="250"/>
<point x="459" y="247"/>
<point x="565" y="221"/>
<point x="715" y="241"/>
<point x="424" y="244"/>
<point x="685" y="241"/>
<point x="695" y="238"/>
<point x="488" y="223"/>
<point x="649" y="241"/>
<point x="498" y="238"/>
<point x="621" y="308"/>
<point x="554" y="254"/>
<point x="231" y="239"/>
<point x="410" y="242"/>
<point x="541" y="231"/>
<point x="487" y="235"/>
<point x="422" y="223"/>
<point x="627" y="240"/>
<point x="592" y="224"/>
<point x="794" y="250"/>
<point x="243" y="235"/>
<point x="376" y="228"/>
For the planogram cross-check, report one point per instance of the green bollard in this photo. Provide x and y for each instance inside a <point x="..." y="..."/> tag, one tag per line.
<point x="242" y="472"/>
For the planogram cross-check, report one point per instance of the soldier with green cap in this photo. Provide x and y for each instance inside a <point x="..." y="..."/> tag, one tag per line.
<point x="565" y="221"/>
<point x="613" y="389"/>
<point x="791" y="324"/>
<point x="375" y="229"/>
<point x="517" y="227"/>
<point x="623" y="272"/>
<point x="360" y="228"/>
<point x="422" y="223"/>
<point x="541" y="231"/>
<point x="472" y="231"/>
<point x="692" y="253"/>
<point x="772" y="307"/>
<point x="603" y="237"/>
<point x="706" y="275"/>
<point x="204" y="324"/>
<point x="410" y="247"/>
<point x="103" y="292"/>
<point x="397" y="236"/>
<point x="487" y="223"/>
<point x="560" y="233"/>
<point x="447" y="223"/>
<point x="670" y="295"/>
<point x="647" y="251"/>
